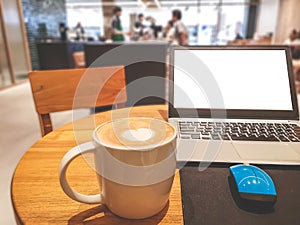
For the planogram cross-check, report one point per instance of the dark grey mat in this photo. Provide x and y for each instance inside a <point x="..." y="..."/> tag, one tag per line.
<point x="210" y="197"/>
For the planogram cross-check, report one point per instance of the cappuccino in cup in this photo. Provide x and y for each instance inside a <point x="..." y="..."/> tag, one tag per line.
<point x="135" y="163"/>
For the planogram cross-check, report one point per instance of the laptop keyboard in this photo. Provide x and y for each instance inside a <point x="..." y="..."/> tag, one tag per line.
<point x="278" y="132"/>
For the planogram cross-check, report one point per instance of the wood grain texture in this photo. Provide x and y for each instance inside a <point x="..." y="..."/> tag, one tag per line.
<point x="36" y="192"/>
<point x="59" y="90"/>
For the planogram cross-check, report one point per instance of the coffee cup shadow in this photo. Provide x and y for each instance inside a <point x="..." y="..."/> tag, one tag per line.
<point x="102" y="215"/>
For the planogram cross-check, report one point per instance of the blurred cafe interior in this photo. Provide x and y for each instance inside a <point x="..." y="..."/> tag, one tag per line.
<point x="29" y="29"/>
<point x="43" y="35"/>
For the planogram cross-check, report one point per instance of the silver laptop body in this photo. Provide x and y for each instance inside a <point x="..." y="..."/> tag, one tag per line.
<point x="219" y="91"/>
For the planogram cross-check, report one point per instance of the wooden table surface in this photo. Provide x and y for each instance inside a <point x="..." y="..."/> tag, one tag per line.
<point x="36" y="192"/>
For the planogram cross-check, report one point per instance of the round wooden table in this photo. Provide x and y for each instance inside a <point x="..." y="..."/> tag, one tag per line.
<point x="36" y="192"/>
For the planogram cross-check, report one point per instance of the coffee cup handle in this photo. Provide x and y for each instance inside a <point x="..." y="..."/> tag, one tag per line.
<point x="65" y="162"/>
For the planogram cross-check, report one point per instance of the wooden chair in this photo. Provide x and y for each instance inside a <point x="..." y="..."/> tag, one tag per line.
<point x="59" y="90"/>
<point x="79" y="61"/>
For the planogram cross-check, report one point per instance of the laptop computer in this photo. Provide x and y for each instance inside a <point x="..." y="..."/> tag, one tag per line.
<point x="234" y="104"/>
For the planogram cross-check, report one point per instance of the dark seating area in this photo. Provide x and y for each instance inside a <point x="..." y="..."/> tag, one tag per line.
<point x="145" y="68"/>
<point x="57" y="55"/>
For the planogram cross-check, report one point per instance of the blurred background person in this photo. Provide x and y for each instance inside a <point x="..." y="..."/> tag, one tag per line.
<point x="293" y="39"/>
<point x="117" y="29"/>
<point x="169" y="32"/>
<point x="238" y="31"/>
<point x="154" y="28"/>
<point x="79" y="31"/>
<point x="294" y="42"/>
<point x="139" y="27"/>
<point x="181" y="32"/>
<point x="63" y="31"/>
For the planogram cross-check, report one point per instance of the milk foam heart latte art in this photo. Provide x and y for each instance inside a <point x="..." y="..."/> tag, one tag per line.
<point x="135" y="163"/>
<point x="135" y="133"/>
<point x="141" y="134"/>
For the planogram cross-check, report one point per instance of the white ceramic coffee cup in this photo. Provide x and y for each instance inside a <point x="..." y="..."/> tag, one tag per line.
<point x="135" y="178"/>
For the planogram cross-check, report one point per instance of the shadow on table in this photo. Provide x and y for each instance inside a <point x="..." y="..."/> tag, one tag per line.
<point x="101" y="215"/>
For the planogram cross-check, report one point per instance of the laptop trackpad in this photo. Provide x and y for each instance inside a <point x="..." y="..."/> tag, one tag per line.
<point x="266" y="152"/>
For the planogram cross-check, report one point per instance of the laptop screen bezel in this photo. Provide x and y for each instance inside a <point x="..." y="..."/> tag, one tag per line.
<point x="235" y="113"/>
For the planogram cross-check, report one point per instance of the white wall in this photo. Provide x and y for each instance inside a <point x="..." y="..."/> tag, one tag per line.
<point x="267" y="17"/>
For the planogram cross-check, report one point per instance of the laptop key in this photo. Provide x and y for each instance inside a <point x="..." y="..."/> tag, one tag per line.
<point x="206" y="137"/>
<point x="252" y="137"/>
<point x="273" y="138"/>
<point x="283" y="138"/>
<point x="215" y="137"/>
<point x="183" y="128"/>
<point x="195" y="136"/>
<point x="185" y="137"/>
<point x="264" y="138"/>
<point x="225" y="137"/>
<point x="182" y="123"/>
<point x="294" y="139"/>
<point x="186" y="133"/>
<point x="187" y="130"/>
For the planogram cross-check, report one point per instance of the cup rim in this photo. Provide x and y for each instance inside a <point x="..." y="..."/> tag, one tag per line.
<point x="146" y="148"/>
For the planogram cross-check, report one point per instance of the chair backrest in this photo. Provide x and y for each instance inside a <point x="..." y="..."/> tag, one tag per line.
<point x="79" y="61"/>
<point x="59" y="90"/>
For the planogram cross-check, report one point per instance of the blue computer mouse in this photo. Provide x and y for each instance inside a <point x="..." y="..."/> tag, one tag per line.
<point x="253" y="183"/>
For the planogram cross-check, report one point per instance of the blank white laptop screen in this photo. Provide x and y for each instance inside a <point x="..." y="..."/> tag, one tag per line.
<point x="246" y="79"/>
